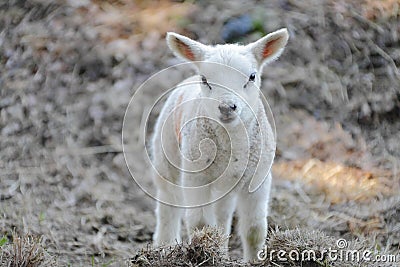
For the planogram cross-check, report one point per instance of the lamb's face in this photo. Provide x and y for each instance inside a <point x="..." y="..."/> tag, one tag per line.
<point x="230" y="74"/>
<point x="230" y="80"/>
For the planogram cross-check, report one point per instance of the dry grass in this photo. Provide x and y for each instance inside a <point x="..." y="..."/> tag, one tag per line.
<point x="298" y="205"/>
<point x="205" y="249"/>
<point x="315" y="245"/>
<point x="306" y="248"/>
<point x="25" y="251"/>
<point x="338" y="182"/>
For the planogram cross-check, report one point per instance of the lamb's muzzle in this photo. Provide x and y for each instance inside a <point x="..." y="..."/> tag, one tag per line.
<point x="228" y="111"/>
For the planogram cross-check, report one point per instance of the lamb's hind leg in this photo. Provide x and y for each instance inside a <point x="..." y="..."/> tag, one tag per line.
<point x="168" y="225"/>
<point x="253" y="211"/>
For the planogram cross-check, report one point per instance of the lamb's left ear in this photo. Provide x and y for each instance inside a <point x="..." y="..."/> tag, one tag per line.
<point x="270" y="47"/>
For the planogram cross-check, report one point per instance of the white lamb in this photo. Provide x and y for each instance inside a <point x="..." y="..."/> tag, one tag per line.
<point x="213" y="145"/>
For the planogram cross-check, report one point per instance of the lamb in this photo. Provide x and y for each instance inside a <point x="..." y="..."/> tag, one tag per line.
<point x="213" y="145"/>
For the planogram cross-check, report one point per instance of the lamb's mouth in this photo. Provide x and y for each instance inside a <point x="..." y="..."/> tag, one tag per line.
<point x="226" y="119"/>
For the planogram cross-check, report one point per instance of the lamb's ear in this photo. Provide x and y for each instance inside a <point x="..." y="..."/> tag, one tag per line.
<point x="185" y="47"/>
<point x="270" y="47"/>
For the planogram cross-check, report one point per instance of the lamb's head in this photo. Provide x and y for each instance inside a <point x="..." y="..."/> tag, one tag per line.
<point x="230" y="74"/>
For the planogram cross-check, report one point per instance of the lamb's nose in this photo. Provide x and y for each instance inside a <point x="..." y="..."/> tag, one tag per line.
<point x="226" y="108"/>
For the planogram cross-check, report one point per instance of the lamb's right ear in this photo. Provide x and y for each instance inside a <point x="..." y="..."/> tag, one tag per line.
<point x="185" y="47"/>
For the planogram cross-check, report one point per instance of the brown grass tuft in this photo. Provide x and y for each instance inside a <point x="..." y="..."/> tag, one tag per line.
<point x="205" y="249"/>
<point x="26" y="251"/>
<point x="315" y="245"/>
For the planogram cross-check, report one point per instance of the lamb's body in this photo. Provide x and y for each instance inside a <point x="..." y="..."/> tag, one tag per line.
<point x="212" y="161"/>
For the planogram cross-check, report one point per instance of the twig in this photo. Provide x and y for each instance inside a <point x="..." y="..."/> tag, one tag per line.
<point x="368" y="22"/>
<point x="385" y="55"/>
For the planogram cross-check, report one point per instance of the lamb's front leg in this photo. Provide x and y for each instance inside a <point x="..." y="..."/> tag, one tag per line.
<point x="253" y="211"/>
<point x="223" y="210"/>
<point x="168" y="224"/>
<point x="169" y="218"/>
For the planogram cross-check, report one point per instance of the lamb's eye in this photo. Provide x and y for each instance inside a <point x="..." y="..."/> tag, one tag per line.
<point x="252" y="77"/>
<point x="205" y="82"/>
<point x="204" y="79"/>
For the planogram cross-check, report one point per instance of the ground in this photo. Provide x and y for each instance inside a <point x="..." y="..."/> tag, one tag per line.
<point x="67" y="72"/>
